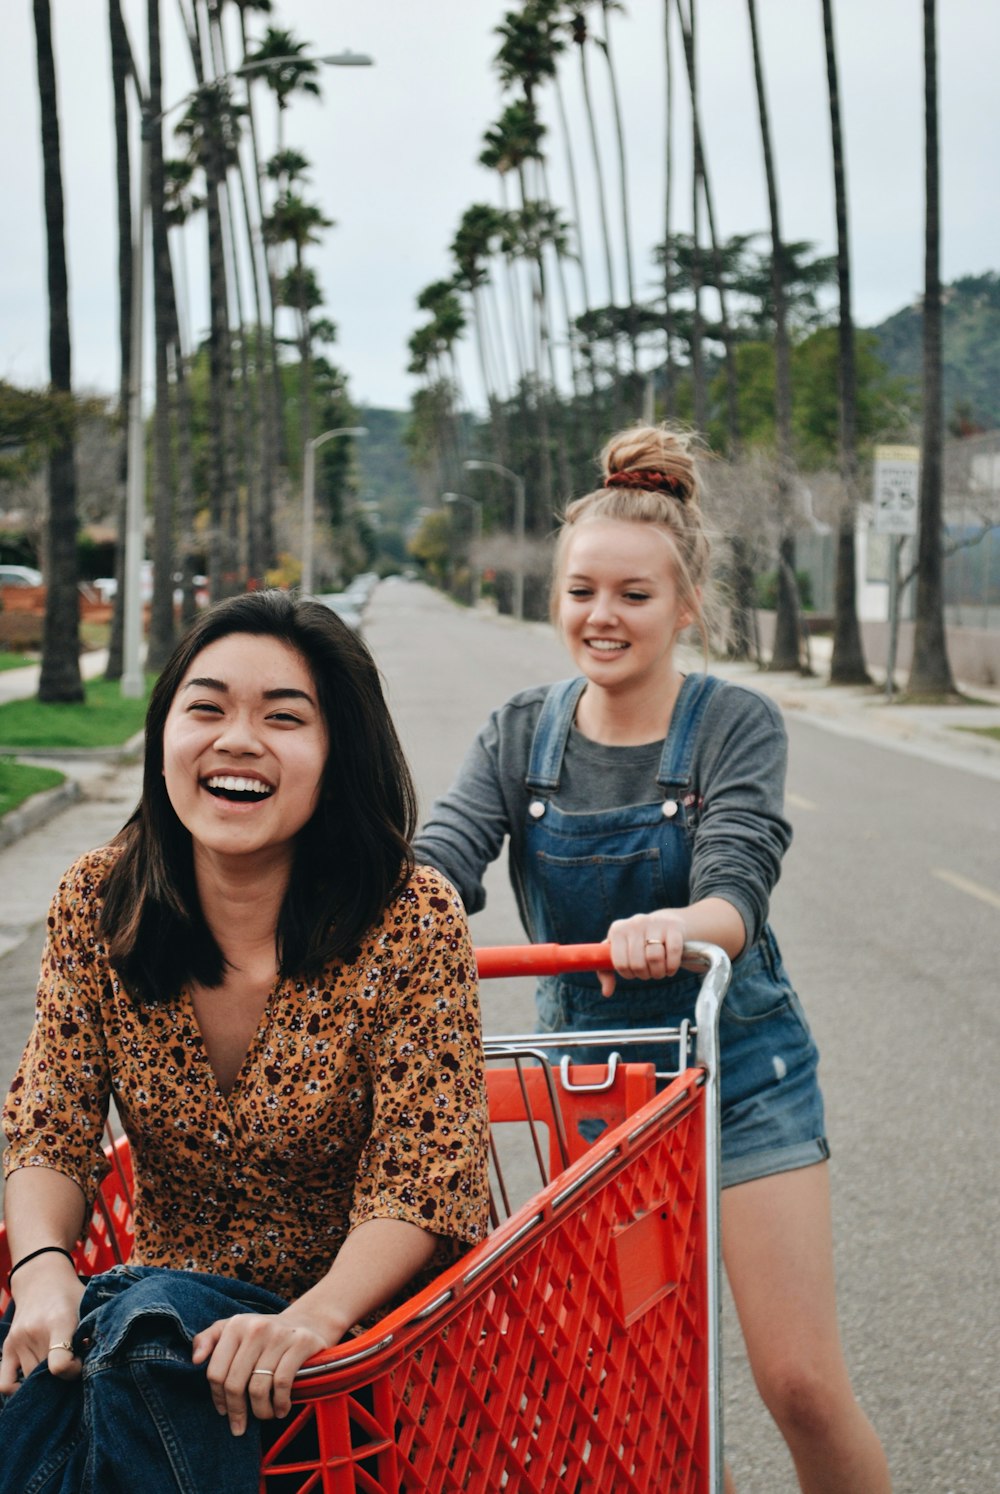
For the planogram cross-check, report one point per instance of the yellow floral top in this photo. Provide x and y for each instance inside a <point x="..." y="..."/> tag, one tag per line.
<point x="361" y="1095"/>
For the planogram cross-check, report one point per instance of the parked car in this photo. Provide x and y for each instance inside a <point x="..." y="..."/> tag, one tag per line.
<point x="19" y="575"/>
<point x="345" y="606"/>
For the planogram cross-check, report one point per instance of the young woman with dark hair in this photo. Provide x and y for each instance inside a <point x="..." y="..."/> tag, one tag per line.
<point x="284" y="1009"/>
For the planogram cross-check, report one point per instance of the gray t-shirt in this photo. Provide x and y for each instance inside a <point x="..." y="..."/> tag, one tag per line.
<point x="738" y="771"/>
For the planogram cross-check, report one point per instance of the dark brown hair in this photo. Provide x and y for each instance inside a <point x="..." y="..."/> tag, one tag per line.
<point x="351" y="857"/>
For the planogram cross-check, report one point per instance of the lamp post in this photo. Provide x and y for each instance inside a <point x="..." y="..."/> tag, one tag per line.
<point x="135" y="490"/>
<point x="309" y="497"/>
<point x="477" y="534"/>
<point x="473" y="465"/>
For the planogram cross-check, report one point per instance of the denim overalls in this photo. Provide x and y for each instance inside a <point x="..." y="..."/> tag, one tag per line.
<point x="583" y="870"/>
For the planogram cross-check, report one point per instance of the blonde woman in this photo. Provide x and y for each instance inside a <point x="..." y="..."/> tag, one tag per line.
<point x="645" y="806"/>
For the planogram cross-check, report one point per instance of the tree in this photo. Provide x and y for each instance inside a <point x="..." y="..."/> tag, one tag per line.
<point x="60" y="678"/>
<point x="580" y="35"/>
<point x="930" y="672"/>
<point x="161" y="625"/>
<point x="210" y="128"/>
<point x="788" y="630"/>
<point x="121" y="64"/>
<point x="297" y="222"/>
<point x="847" y="665"/>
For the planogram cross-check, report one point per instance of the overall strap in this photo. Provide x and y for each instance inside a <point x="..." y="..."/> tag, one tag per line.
<point x="678" y="749"/>
<point x="552" y="733"/>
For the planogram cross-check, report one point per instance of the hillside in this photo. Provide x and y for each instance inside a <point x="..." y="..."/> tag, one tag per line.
<point x="387" y="479"/>
<point x="971" y="331"/>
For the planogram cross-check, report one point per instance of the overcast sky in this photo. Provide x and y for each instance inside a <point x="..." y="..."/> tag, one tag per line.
<point x="394" y="149"/>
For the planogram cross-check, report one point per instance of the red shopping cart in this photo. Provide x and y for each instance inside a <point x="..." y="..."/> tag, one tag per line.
<point x="577" y="1347"/>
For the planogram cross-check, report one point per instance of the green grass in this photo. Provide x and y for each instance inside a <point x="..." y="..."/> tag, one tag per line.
<point x="14" y="661"/>
<point x="103" y="719"/>
<point x="18" y="781"/>
<point x="993" y="732"/>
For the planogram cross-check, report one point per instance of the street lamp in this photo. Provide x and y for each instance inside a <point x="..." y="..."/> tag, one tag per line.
<point x="135" y="492"/>
<point x="309" y="497"/>
<point x="477" y="466"/>
<point x="477" y="534"/>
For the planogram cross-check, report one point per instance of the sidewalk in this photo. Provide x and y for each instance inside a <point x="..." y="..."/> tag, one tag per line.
<point x="949" y="735"/>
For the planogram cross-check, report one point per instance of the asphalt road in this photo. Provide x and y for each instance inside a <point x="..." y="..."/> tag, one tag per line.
<point x="889" y="918"/>
<point x="897" y="968"/>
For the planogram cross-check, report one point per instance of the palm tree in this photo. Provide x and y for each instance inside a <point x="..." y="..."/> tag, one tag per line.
<point x="121" y="66"/>
<point x="209" y="127"/>
<point x="847" y="666"/>
<point x="472" y="249"/>
<point x="696" y="340"/>
<point x="701" y="177"/>
<point x="161" y="622"/>
<point x="297" y="222"/>
<point x="786" y="652"/>
<point x="604" y="42"/>
<point x="60" y="672"/>
<point x="580" y="35"/>
<point x="668" y="146"/>
<point x="285" y="78"/>
<point x="179" y="204"/>
<point x="930" y="672"/>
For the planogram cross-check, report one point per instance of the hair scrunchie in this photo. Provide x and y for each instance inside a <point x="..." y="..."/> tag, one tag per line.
<point x="649" y="479"/>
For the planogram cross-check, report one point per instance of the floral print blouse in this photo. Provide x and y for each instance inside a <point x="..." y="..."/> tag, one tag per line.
<point x="361" y="1096"/>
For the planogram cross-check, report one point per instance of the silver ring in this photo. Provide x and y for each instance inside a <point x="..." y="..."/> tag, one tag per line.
<point x="656" y="941"/>
<point x="263" y="1372"/>
<point x="64" y="1343"/>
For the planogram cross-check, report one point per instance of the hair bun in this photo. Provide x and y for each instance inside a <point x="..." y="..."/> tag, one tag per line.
<point x="652" y="458"/>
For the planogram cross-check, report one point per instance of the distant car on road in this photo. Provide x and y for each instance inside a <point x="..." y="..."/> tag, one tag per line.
<point x="346" y="607"/>
<point x="19" y="575"/>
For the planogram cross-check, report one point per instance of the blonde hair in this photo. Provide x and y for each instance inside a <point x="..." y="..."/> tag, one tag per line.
<point x="666" y="493"/>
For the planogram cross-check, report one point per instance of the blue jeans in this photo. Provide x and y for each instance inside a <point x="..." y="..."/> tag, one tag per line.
<point x="141" y="1415"/>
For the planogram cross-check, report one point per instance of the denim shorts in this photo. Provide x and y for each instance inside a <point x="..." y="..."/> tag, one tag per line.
<point x="772" y="1105"/>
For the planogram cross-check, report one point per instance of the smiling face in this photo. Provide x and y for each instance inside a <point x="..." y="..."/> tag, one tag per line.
<point x="245" y="746"/>
<point x="619" y="608"/>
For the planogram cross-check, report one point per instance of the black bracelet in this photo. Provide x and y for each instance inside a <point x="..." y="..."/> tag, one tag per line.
<point x="42" y="1250"/>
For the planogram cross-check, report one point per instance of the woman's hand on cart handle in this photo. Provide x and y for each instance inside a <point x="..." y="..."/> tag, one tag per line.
<point x="647" y="946"/>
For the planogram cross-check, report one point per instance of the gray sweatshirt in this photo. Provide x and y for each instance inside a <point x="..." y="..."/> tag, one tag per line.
<point x="738" y="771"/>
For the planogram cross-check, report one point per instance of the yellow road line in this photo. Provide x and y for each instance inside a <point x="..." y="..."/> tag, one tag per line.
<point x="798" y="802"/>
<point x="974" y="889"/>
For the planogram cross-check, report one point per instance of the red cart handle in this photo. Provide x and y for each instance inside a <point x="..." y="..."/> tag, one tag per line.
<point x="542" y="959"/>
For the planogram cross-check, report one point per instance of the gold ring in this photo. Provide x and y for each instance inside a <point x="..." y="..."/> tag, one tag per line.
<point x="263" y="1372"/>
<point x="656" y="941"/>
<point x="62" y="1344"/>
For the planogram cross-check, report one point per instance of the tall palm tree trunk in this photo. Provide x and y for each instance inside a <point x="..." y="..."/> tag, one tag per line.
<point x="701" y="175"/>
<point x="669" y="373"/>
<point x="786" y="653"/>
<point x="161" y="622"/>
<point x="623" y="185"/>
<point x="602" y="204"/>
<point x="60" y="672"/>
<point x="847" y="665"/>
<point x="698" y="391"/>
<point x="121" y="66"/>
<point x="930" y="672"/>
<point x="219" y="352"/>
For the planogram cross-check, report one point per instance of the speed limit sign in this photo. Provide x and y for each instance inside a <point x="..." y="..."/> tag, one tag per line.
<point x="897" y="473"/>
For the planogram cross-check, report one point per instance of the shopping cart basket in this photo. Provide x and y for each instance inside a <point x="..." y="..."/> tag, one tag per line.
<point x="577" y="1347"/>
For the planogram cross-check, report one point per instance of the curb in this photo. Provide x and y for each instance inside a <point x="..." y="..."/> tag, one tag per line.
<point x="114" y="755"/>
<point x="38" y="810"/>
